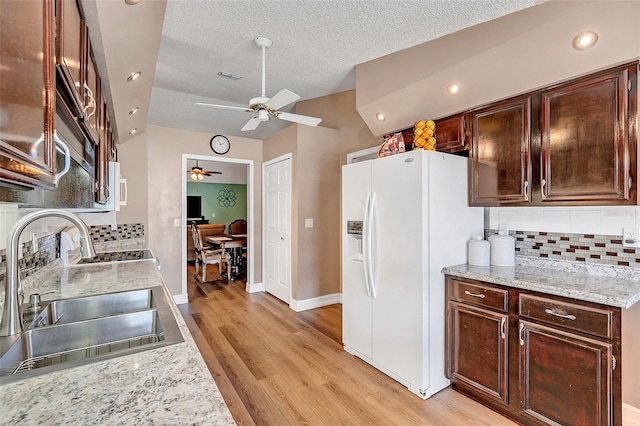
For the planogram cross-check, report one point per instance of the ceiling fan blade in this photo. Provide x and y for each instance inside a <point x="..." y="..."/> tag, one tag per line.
<point x="297" y="118"/>
<point x="210" y="172"/>
<point x="283" y="98"/>
<point x="251" y="124"/>
<point x="235" y="108"/>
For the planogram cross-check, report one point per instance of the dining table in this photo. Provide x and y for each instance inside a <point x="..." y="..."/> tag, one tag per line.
<point x="234" y="245"/>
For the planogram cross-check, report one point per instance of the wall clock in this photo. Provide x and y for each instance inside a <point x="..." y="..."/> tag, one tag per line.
<point x="220" y="144"/>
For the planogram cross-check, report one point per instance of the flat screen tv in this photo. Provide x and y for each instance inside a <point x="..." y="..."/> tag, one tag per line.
<point x="194" y="207"/>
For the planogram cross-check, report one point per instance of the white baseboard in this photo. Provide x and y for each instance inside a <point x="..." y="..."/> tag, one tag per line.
<point x="630" y="415"/>
<point x="316" y="302"/>
<point x="181" y="299"/>
<point x="254" y="288"/>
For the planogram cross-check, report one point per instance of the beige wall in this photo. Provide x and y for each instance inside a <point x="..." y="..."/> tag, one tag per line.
<point x="494" y="60"/>
<point x="133" y="159"/>
<point x="318" y="199"/>
<point x="162" y="189"/>
<point x="338" y="111"/>
<point x="315" y="255"/>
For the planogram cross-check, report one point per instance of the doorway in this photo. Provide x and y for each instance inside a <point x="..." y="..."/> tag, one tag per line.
<point x="276" y="178"/>
<point x="217" y="164"/>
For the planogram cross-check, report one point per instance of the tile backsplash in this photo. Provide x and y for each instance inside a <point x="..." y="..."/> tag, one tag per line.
<point x="589" y="248"/>
<point x="49" y="246"/>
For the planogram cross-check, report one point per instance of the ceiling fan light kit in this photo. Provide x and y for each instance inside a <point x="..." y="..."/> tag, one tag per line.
<point x="198" y="173"/>
<point x="262" y="107"/>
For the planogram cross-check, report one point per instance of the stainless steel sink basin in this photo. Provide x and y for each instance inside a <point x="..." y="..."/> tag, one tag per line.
<point x="65" y="311"/>
<point x="95" y="329"/>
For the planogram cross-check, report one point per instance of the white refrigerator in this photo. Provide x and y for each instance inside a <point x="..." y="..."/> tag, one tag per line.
<point x="404" y="217"/>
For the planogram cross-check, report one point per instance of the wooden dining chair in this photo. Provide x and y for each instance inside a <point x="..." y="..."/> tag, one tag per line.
<point x="238" y="226"/>
<point x="207" y="256"/>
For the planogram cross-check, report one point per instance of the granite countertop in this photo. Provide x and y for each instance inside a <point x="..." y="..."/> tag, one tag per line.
<point x="167" y="385"/>
<point x="607" y="285"/>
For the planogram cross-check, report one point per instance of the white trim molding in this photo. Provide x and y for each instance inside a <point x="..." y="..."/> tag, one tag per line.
<point x="316" y="302"/>
<point x="254" y="288"/>
<point x="630" y="415"/>
<point x="181" y="299"/>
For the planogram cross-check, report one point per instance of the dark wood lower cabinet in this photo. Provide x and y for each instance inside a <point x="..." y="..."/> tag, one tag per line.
<point x="565" y="378"/>
<point x="538" y="359"/>
<point x="478" y="349"/>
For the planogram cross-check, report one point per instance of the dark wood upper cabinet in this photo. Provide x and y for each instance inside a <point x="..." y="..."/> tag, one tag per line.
<point x="501" y="153"/>
<point x="27" y="90"/>
<point x="585" y="141"/>
<point x="92" y="109"/>
<point x="451" y="134"/>
<point x="71" y="53"/>
<point x="573" y="143"/>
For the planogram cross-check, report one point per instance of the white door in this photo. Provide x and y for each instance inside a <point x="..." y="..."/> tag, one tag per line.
<point x="277" y="178"/>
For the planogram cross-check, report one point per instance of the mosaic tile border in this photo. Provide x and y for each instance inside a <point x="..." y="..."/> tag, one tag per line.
<point x="588" y="248"/>
<point x="127" y="231"/>
<point x="49" y="247"/>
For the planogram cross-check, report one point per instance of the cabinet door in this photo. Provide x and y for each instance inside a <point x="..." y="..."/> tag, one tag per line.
<point x="477" y="350"/>
<point x="27" y="91"/>
<point x="501" y="155"/>
<point x="451" y="134"/>
<point x="564" y="378"/>
<point x="584" y="141"/>
<point x="103" y="192"/>
<point x="91" y="113"/>
<point x="71" y="54"/>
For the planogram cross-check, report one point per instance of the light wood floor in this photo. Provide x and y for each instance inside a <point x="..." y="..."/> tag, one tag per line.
<point x="277" y="367"/>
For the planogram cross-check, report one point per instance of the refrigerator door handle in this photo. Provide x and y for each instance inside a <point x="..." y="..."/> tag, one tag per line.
<point x="365" y="244"/>
<point x="372" y="243"/>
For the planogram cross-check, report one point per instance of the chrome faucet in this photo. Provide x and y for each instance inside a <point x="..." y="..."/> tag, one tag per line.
<point x="11" y="315"/>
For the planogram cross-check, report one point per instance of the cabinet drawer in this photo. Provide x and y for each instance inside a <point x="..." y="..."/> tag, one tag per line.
<point x="586" y="319"/>
<point x="479" y="295"/>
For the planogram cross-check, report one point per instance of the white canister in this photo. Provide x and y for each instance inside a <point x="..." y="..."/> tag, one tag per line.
<point x="503" y="250"/>
<point x="479" y="251"/>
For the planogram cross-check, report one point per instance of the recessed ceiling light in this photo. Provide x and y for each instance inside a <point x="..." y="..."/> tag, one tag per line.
<point x="380" y="116"/>
<point x="453" y="89"/>
<point x="133" y="131"/>
<point x="133" y="111"/>
<point x="134" y="76"/>
<point x="585" y="40"/>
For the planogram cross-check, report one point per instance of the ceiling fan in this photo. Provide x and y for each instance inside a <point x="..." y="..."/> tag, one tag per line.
<point x="263" y="106"/>
<point x="197" y="173"/>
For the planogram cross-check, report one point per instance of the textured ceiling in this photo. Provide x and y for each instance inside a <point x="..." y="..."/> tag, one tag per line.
<point x="316" y="45"/>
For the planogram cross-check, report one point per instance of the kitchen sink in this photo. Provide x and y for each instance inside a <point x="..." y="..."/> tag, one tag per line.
<point x="85" y="308"/>
<point x="90" y="329"/>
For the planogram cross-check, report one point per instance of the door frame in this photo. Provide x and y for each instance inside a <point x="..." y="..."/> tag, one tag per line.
<point x="288" y="156"/>
<point x="250" y="214"/>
